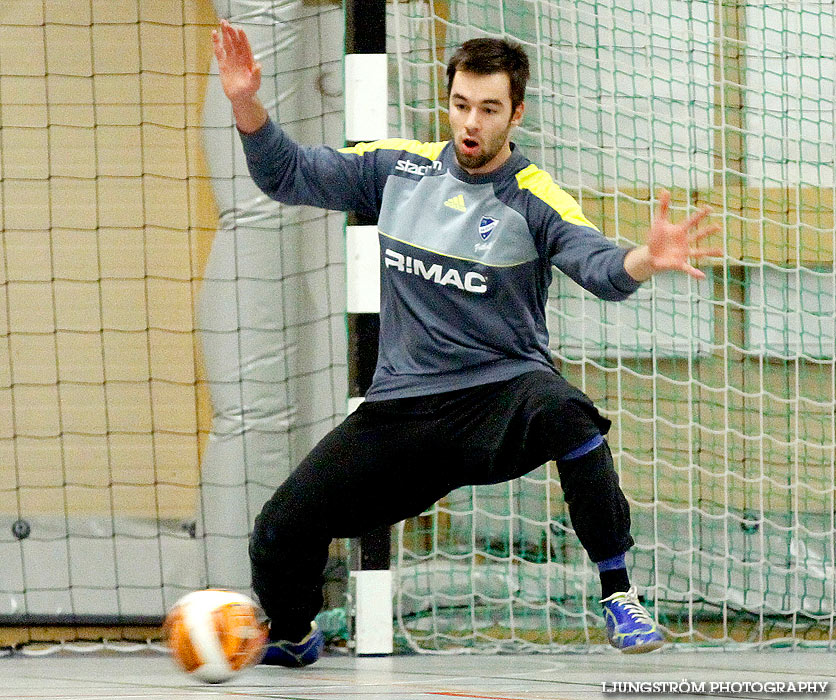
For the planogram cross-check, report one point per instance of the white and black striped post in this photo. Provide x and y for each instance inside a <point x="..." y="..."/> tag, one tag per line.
<point x="366" y="120"/>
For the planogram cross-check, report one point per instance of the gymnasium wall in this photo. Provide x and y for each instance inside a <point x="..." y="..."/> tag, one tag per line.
<point x="107" y="220"/>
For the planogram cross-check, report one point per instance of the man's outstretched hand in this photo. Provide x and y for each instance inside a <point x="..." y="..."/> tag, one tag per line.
<point x="671" y="246"/>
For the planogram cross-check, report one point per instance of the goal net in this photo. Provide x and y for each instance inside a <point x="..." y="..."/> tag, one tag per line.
<point x="163" y="324"/>
<point x="721" y="391"/>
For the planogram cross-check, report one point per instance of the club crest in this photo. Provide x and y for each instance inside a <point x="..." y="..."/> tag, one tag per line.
<point x="486" y="226"/>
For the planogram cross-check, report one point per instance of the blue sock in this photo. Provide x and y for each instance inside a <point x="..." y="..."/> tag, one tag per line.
<point x="586" y="448"/>
<point x="613" y="574"/>
<point x="616" y="562"/>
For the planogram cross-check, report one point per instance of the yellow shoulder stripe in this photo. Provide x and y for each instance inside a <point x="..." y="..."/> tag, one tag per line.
<point x="427" y="150"/>
<point x="541" y="185"/>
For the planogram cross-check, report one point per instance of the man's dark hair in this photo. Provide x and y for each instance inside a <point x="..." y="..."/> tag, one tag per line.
<point x="486" y="56"/>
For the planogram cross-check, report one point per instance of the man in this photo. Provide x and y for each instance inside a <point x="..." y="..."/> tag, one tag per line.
<point x="465" y="391"/>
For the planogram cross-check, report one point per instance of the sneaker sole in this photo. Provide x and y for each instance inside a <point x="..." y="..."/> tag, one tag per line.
<point x="643" y="648"/>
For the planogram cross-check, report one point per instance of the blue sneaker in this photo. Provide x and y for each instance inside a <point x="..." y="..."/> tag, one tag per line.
<point x="629" y="626"/>
<point x="294" y="655"/>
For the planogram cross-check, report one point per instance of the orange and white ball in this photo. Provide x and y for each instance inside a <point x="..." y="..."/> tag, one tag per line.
<point x="214" y="634"/>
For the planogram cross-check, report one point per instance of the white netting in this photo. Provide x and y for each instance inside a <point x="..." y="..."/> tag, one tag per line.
<point x="721" y="392"/>
<point x="140" y="272"/>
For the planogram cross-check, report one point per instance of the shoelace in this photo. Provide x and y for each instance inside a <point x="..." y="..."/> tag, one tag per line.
<point x="631" y="604"/>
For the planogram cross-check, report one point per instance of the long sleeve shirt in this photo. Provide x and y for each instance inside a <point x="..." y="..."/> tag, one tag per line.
<point x="465" y="260"/>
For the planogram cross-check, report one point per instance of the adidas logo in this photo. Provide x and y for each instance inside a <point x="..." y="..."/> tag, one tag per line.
<point x="456" y="203"/>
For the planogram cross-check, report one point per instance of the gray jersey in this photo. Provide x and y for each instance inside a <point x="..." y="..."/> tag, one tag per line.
<point x="466" y="260"/>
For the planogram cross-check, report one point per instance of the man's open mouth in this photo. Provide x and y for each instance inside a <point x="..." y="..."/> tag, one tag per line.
<point x="470" y="144"/>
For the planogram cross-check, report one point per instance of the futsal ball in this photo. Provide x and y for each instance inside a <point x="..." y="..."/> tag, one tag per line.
<point x="214" y="634"/>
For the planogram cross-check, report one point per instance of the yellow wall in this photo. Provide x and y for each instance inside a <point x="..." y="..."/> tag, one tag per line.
<point x="107" y="219"/>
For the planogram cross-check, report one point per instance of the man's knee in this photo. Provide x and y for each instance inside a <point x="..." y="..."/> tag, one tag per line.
<point x="566" y="416"/>
<point x="291" y="516"/>
<point x="589" y="468"/>
<point x="583" y="449"/>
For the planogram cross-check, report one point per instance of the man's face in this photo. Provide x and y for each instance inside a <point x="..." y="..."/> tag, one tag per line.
<point x="481" y="119"/>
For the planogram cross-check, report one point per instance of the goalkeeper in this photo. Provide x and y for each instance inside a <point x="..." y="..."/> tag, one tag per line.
<point x="465" y="391"/>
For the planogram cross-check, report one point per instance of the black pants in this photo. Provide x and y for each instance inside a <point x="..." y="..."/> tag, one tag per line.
<point x="391" y="460"/>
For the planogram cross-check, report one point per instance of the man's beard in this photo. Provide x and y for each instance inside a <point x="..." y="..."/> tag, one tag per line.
<point x="488" y="153"/>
